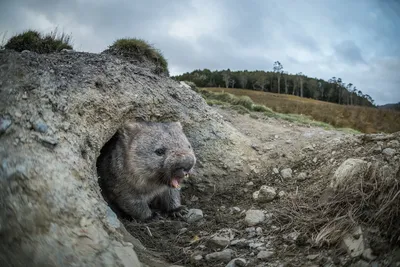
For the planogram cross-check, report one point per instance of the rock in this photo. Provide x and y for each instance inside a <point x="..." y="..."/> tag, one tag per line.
<point x="239" y="242"/>
<point x="48" y="140"/>
<point x="256" y="244"/>
<point x="354" y="243"/>
<point x="249" y="184"/>
<point x="281" y="194"/>
<point x="368" y="255"/>
<point x="275" y="170"/>
<point x="302" y="176"/>
<point x="259" y="231"/>
<point x="263" y="255"/>
<point x="348" y="171"/>
<point x="40" y="126"/>
<point x="224" y="256"/>
<point x="194" y="215"/>
<point x="238" y="262"/>
<point x="312" y="257"/>
<point x="308" y="148"/>
<point x="265" y="194"/>
<point x="315" y="160"/>
<point x="222" y="238"/>
<point x="358" y="150"/>
<point x="25" y="51"/>
<point x="377" y="149"/>
<point x="286" y="173"/>
<point x="389" y="152"/>
<point x="65" y="50"/>
<point x="197" y="258"/>
<point x="254" y="217"/>
<point x="393" y="144"/>
<point x="236" y="209"/>
<point x="4" y="125"/>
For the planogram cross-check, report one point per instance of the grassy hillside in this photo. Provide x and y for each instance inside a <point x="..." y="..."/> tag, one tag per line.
<point x="364" y="119"/>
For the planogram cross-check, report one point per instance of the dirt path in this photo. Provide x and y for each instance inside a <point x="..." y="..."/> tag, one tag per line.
<point x="311" y="154"/>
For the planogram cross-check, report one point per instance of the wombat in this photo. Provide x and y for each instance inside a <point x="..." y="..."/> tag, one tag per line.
<point x="142" y="166"/>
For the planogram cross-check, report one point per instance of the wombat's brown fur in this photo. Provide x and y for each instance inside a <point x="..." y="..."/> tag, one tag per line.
<point x="142" y="166"/>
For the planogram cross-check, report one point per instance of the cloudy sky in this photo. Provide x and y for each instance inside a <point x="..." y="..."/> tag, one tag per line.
<point x="356" y="40"/>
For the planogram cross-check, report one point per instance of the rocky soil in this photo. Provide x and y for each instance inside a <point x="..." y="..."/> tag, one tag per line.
<point x="239" y="226"/>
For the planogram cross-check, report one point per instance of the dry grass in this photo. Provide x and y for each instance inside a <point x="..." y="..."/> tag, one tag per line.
<point x="364" y="119"/>
<point x="372" y="200"/>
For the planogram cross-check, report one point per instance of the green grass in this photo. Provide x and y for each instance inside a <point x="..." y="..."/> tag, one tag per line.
<point x="140" y="49"/>
<point x="40" y="43"/>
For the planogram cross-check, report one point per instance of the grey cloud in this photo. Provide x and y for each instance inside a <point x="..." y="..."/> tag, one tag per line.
<point x="349" y="52"/>
<point x="319" y="38"/>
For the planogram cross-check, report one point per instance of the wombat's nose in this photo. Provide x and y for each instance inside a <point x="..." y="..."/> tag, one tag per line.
<point x="184" y="162"/>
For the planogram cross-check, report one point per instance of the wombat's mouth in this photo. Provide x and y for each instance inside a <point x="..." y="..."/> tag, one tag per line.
<point x="177" y="178"/>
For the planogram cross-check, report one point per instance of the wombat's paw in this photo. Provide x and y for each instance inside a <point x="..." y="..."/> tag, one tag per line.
<point x="179" y="212"/>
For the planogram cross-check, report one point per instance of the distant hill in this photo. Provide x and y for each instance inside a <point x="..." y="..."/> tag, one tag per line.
<point x="395" y="106"/>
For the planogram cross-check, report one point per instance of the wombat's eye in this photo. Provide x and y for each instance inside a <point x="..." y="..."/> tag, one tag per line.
<point x="160" y="151"/>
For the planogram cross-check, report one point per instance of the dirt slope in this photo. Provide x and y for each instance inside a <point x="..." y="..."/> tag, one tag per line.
<point x="312" y="154"/>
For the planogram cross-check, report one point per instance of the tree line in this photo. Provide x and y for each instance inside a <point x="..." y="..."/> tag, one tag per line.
<point x="279" y="81"/>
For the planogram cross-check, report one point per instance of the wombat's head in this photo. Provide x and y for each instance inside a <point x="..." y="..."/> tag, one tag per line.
<point x="158" y="153"/>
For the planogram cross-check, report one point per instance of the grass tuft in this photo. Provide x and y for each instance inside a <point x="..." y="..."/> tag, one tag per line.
<point x="133" y="48"/>
<point x="40" y="43"/>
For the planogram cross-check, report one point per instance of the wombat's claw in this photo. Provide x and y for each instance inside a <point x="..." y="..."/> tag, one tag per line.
<point x="179" y="212"/>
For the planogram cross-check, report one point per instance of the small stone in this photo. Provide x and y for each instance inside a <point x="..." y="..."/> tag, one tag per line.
<point x="281" y="194"/>
<point x="393" y="144"/>
<point x="265" y="194"/>
<point x="275" y="170"/>
<point x="354" y="243"/>
<point x="389" y="152"/>
<point x="256" y="244"/>
<point x="249" y="184"/>
<point x="254" y="217"/>
<point x="4" y="125"/>
<point x="302" y="176"/>
<point x="358" y="150"/>
<point x="349" y="170"/>
<point x="25" y="51"/>
<point x="368" y="255"/>
<point x="236" y="209"/>
<point x="219" y="241"/>
<point x="194" y="215"/>
<point x="286" y="173"/>
<point x="198" y="257"/>
<point x="18" y="114"/>
<point x="48" y="140"/>
<point x="276" y="136"/>
<point x="259" y="231"/>
<point x="238" y="262"/>
<point x="40" y="126"/>
<point x="377" y="149"/>
<point x="194" y="199"/>
<point x="312" y="257"/>
<point x="308" y="148"/>
<point x="239" y="242"/>
<point x="24" y="96"/>
<point x="288" y="141"/>
<point x="255" y="147"/>
<point x="262" y="255"/>
<point x="183" y="230"/>
<point x="225" y="256"/>
<point x="65" y="50"/>
<point x="315" y="160"/>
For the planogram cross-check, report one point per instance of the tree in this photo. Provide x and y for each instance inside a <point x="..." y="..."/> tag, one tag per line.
<point x="278" y="70"/>
<point x="339" y="86"/>
<point x="285" y="77"/>
<point x="232" y="82"/>
<point x="261" y="81"/>
<point x="300" y="78"/>
<point x="226" y="78"/>
<point x="350" y="99"/>
<point x="243" y="80"/>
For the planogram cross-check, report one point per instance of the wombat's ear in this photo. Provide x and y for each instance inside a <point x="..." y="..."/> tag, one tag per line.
<point x="130" y="129"/>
